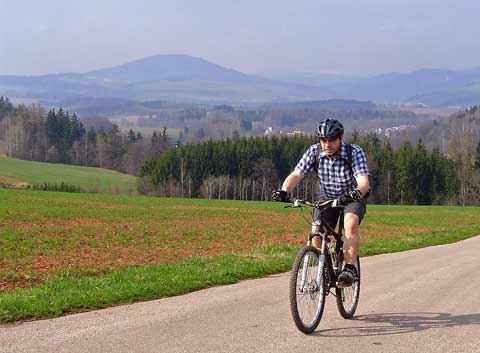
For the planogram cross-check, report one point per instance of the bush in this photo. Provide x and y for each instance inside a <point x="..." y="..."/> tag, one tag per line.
<point x="62" y="186"/>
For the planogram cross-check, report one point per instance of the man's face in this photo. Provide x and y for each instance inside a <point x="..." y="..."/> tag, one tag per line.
<point x="330" y="145"/>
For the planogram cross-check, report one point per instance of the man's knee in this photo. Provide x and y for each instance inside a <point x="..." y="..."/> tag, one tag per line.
<point x="351" y="222"/>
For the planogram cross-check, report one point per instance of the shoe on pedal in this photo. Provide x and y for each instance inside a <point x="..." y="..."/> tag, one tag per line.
<point x="347" y="276"/>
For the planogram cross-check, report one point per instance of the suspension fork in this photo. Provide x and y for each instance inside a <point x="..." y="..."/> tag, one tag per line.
<point x="321" y="259"/>
<point x="307" y="258"/>
<point x="321" y="264"/>
<point x="304" y="271"/>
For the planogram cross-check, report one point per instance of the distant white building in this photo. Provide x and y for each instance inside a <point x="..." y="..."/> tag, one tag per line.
<point x="295" y="133"/>
<point x="389" y="130"/>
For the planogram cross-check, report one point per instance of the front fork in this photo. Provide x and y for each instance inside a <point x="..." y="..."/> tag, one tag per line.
<point x="328" y="248"/>
<point x="321" y="259"/>
<point x="321" y="265"/>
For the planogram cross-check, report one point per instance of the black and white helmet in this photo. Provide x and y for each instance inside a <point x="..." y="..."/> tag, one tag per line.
<point x="330" y="128"/>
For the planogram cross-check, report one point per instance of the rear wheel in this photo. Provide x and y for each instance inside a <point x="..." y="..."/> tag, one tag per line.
<point x="307" y="289"/>
<point x="347" y="297"/>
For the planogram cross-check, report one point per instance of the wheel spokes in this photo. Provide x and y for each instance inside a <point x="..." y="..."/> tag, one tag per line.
<point x="309" y="291"/>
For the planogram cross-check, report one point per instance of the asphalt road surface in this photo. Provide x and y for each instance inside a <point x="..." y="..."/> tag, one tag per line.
<point x="425" y="300"/>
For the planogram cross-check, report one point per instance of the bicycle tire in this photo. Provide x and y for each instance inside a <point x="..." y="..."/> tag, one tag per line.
<point x="307" y="298"/>
<point x="348" y="297"/>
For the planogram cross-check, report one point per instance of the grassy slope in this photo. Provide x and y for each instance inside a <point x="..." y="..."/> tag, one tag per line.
<point x="88" y="179"/>
<point x="178" y="236"/>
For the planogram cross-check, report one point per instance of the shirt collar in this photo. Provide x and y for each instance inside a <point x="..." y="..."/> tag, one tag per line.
<point x="343" y="151"/>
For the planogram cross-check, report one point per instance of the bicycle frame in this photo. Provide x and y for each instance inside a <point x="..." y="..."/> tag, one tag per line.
<point x="327" y="256"/>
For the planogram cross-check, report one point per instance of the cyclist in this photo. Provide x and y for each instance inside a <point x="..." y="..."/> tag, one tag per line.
<point x="342" y="171"/>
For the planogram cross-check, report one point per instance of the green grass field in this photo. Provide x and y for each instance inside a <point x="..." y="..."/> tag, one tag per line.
<point x="19" y="172"/>
<point x="65" y="252"/>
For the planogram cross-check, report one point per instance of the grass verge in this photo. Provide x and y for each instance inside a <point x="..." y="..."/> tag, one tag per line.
<point x="74" y="293"/>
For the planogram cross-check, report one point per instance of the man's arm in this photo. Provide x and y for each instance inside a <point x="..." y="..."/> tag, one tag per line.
<point x="292" y="180"/>
<point x="363" y="183"/>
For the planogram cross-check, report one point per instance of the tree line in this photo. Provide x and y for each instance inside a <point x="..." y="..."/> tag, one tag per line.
<point x="57" y="136"/>
<point x="249" y="168"/>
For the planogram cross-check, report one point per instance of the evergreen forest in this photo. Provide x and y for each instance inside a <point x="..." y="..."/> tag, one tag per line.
<point x="250" y="168"/>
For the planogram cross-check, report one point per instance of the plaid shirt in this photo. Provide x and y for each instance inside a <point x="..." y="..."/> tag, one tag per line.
<point x="335" y="177"/>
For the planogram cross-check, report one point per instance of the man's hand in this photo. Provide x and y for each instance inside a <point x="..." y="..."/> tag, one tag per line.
<point x="280" y="195"/>
<point x="355" y="195"/>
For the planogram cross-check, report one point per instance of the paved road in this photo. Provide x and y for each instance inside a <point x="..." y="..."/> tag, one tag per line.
<point x="425" y="300"/>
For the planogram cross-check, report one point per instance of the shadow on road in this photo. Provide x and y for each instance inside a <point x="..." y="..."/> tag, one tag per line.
<point x="397" y="323"/>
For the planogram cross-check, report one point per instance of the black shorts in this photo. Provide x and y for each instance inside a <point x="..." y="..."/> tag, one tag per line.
<point x="330" y="215"/>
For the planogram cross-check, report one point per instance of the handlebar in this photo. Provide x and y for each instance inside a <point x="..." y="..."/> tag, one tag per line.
<point x="334" y="203"/>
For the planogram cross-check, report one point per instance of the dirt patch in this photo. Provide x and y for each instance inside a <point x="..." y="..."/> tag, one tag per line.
<point x="226" y="209"/>
<point x="55" y="228"/>
<point x="118" y="245"/>
<point x="53" y="243"/>
<point x="11" y="183"/>
<point x="92" y="203"/>
<point x="373" y="230"/>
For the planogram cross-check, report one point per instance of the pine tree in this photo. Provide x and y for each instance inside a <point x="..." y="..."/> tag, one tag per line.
<point x="131" y="137"/>
<point x="422" y="175"/>
<point x="477" y="158"/>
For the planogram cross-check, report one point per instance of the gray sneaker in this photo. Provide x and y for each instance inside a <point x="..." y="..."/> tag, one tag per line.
<point x="347" y="277"/>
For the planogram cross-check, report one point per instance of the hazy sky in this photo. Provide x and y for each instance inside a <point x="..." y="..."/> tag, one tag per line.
<point x="253" y="36"/>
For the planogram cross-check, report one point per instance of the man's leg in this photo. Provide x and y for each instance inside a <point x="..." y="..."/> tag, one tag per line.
<point x="354" y="213"/>
<point x="351" y="243"/>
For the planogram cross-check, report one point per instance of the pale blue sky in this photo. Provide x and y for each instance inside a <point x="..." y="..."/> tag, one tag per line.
<point x="262" y="36"/>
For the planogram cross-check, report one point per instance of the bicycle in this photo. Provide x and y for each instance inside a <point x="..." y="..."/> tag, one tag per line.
<point x="315" y="272"/>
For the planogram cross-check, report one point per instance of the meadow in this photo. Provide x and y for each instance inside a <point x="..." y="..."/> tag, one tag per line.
<point x="21" y="173"/>
<point x="66" y="252"/>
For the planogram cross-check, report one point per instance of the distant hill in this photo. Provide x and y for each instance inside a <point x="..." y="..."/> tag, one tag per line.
<point x="161" y="77"/>
<point x="464" y="95"/>
<point x="315" y="79"/>
<point x="433" y="87"/>
<point x="428" y="86"/>
<point x="172" y="68"/>
<point x="181" y="78"/>
<point x="331" y="104"/>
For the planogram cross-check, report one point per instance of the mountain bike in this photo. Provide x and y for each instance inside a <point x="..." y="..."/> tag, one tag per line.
<point x="315" y="271"/>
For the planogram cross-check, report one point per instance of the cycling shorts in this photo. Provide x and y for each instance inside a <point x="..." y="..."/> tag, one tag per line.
<point x="330" y="215"/>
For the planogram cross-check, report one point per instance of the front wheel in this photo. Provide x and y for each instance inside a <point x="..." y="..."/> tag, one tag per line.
<point x="347" y="297"/>
<point x="307" y="289"/>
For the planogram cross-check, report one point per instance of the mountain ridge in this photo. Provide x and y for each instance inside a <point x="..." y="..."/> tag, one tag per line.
<point x="190" y="79"/>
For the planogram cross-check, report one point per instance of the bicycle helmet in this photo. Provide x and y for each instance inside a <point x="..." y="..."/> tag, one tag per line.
<point x="330" y="128"/>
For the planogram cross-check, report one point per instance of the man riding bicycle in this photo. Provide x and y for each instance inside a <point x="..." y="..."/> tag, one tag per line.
<point x="342" y="171"/>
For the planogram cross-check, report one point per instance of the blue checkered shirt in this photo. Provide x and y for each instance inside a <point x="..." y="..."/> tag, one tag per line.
<point x="335" y="177"/>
